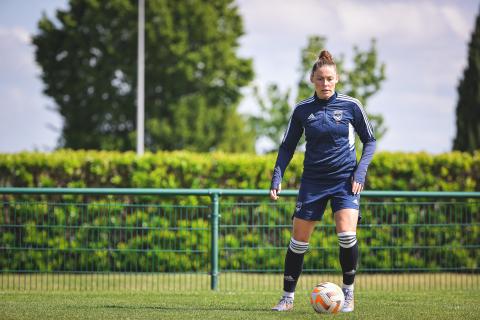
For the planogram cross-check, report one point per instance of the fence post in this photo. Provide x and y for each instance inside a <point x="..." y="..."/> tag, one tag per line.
<point x="214" y="241"/>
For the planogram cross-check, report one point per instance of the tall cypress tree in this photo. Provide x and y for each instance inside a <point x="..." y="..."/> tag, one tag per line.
<point x="468" y="106"/>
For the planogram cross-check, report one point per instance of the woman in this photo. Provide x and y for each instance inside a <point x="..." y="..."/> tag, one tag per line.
<point x="331" y="172"/>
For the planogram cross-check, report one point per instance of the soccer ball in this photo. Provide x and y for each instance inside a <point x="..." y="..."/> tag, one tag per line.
<point x="327" y="297"/>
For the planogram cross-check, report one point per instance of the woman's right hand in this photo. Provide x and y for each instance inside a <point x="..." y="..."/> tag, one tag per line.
<point x="274" y="193"/>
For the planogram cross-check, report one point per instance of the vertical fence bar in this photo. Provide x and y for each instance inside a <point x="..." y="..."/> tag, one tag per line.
<point x="214" y="240"/>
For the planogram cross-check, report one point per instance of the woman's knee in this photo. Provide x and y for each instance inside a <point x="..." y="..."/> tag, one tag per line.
<point x="346" y="220"/>
<point x="302" y="229"/>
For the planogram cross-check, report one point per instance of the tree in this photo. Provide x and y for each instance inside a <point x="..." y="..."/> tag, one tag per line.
<point x="193" y="75"/>
<point x="274" y="113"/>
<point x="468" y="106"/>
<point x="361" y="82"/>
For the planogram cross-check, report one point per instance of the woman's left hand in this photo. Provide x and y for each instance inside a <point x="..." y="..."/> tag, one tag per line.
<point x="356" y="187"/>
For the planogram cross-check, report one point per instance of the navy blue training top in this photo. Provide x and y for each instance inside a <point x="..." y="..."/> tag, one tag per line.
<point x="330" y="127"/>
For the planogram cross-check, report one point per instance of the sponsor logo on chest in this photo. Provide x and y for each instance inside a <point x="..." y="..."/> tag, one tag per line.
<point x="338" y="115"/>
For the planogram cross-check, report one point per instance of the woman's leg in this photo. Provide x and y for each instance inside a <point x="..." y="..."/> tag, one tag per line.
<point x="302" y="230"/>
<point x="346" y="227"/>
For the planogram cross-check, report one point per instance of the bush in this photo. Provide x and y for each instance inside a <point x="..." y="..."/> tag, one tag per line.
<point x="80" y="233"/>
<point x="389" y="171"/>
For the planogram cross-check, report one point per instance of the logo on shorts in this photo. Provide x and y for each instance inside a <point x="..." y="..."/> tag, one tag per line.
<point x="337" y="115"/>
<point x="298" y="206"/>
<point x="355" y="201"/>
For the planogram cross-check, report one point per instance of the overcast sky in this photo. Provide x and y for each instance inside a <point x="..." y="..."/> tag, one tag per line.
<point x="423" y="43"/>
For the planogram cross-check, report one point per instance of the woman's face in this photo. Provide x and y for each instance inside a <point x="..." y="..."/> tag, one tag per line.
<point x="324" y="79"/>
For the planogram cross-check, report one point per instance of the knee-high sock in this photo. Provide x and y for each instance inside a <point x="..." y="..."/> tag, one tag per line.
<point x="293" y="264"/>
<point x="348" y="255"/>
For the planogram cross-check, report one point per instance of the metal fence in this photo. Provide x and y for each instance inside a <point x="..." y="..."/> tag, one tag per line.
<point x="178" y="239"/>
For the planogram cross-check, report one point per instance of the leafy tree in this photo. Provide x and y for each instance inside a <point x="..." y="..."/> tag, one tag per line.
<point x="193" y="75"/>
<point x="274" y="113"/>
<point x="468" y="106"/>
<point x="361" y="82"/>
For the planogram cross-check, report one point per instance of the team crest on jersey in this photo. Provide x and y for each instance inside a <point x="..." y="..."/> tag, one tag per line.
<point x="337" y="115"/>
<point x="298" y="206"/>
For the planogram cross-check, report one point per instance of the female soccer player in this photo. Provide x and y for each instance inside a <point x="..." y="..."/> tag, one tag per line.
<point x="331" y="172"/>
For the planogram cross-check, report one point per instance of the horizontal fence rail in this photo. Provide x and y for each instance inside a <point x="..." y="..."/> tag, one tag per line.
<point x="176" y="239"/>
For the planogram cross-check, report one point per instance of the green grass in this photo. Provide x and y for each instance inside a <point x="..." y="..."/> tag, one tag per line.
<point x="241" y="296"/>
<point x="435" y="305"/>
<point x="234" y="281"/>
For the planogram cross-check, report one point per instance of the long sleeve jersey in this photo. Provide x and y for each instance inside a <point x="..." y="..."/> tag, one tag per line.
<point x="329" y="127"/>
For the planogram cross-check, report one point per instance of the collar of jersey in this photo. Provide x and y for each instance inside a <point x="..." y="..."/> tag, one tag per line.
<point x="323" y="102"/>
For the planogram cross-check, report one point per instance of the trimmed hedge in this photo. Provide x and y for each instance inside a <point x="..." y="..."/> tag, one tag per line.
<point x="96" y="236"/>
<point x="186" y="239"/>
<point x="389" y="171"/>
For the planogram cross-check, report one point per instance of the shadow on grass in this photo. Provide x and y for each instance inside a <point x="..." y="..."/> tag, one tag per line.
<point x="177" y="308"/>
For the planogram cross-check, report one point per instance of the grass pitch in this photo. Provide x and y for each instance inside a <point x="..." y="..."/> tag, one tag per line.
<point x="429" y="304"/>
<point x="241" y="296"/>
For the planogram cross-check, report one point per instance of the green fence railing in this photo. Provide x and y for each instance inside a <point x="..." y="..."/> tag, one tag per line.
<point x="175" y="239"/>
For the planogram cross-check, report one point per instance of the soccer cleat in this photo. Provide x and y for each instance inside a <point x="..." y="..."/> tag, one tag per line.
<point x="284" y="304"/>
<point x="348" y="305"/>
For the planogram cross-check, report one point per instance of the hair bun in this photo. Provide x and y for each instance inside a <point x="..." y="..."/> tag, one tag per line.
<point x="326" y="57"/>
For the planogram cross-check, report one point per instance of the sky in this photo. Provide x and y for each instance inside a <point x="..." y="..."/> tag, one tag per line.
<point x="424" y="44"/>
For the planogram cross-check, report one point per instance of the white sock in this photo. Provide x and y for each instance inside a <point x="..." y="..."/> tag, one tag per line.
<point x="347" y="286"/>
<point x="289" y="294"/>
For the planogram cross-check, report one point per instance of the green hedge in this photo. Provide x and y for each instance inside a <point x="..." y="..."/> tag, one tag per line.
<point x="123" y="237"/>
<point x="402" y="237"/>
<point x="389" y="171"/>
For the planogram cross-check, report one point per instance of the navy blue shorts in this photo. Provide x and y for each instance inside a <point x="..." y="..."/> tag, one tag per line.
<point x="312" y="199"/>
